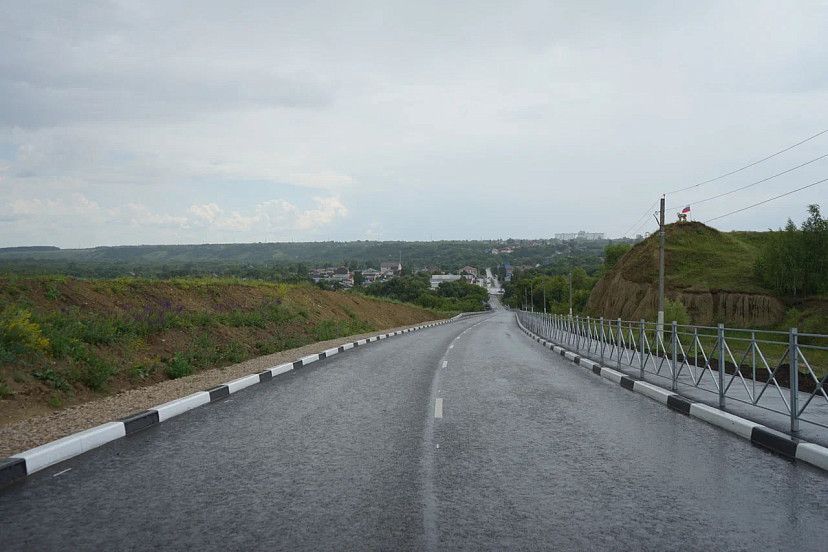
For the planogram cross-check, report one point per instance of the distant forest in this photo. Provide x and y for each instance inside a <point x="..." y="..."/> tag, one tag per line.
<point x="290" y="261"/>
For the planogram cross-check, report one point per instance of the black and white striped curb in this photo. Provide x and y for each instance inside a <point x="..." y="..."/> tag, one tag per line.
<point x="756" y="433"/>
<point x="38" y="458"/>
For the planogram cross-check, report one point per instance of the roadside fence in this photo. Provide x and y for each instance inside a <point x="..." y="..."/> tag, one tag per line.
<point x="785" y="372"/>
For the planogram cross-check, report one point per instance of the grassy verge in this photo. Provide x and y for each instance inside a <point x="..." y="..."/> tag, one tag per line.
<point x="64" y="341"/>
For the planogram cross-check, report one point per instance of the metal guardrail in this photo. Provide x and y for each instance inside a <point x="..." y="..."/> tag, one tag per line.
<point x="761" y="368"/>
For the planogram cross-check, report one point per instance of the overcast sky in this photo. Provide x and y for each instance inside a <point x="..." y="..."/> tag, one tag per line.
<point x="127" y="122"/>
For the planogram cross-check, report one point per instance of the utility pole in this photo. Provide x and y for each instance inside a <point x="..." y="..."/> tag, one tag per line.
<point x="570" y="282"/>
<point x="544" y="295"/>
<point x="660" y="323"/>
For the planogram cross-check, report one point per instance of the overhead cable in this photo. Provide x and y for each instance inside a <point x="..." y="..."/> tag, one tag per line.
<point x="647" y="212"/>
<point x="749" y="166"/>
<point x="766" y="201"/>
<point x="696" y="202"/>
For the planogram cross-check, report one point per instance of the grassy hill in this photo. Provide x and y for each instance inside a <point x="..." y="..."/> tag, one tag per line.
<point x="698" y="257"/>
<point x="65" y="341"/>
<point x="712" y="273"/>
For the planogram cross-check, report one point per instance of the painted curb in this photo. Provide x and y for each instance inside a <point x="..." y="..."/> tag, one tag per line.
<point x="21" y="465"/>
<point x="758" y="434"/>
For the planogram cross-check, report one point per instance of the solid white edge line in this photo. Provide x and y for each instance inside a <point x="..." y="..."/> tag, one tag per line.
<point x="182" y="405"/>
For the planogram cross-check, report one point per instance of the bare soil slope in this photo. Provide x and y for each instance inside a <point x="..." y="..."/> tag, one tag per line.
<point x="710" y="272"/>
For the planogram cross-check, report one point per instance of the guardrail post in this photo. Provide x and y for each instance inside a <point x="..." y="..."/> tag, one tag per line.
<point x="618" y="340"/>
<point x="577" y="332"/>
<point x="641" y="348"/>
<point x="674" y="387"/>
<point x="601" y="339"/>
<point x="722" y="363"/>
<point x="588" y="335"/>
<point x="793" y="352"/>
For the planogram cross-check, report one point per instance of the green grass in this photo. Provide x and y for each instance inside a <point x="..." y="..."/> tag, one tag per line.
<point x="698" y="258"/>
<point x="333" y="329"/>
<point x="204" y="353"/>
<point x="67" y="346"/>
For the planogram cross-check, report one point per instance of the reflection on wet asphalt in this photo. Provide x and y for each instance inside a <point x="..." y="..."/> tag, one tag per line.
<point x="530" y="452"/>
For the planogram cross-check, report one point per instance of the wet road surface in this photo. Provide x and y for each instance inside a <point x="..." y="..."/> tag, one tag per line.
<point x="464" y="436"/>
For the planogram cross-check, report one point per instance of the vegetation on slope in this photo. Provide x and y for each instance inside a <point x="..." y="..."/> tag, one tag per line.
<point x="63" y="341"/>
<point x="765" y="279"/>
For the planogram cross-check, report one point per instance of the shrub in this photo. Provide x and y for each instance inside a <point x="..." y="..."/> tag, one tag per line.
<point x="178" y="367"/>
<point x="95" y="373"/>
<point x="57" y="379"/>
<point x="18" y="334"/>
<point x="99" y="331"/>
<point x="143" y="369"/>
<point x="5" y="392"/>
<point x="675" y="310"/>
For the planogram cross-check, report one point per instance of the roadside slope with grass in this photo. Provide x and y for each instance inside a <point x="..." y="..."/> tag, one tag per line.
<point x="65" y="342"/>
<point x="711" y="273"/>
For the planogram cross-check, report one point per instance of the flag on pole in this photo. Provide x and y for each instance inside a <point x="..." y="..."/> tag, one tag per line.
<point x="686" y="209"/>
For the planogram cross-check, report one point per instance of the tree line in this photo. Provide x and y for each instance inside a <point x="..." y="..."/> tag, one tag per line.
<point x="794" y="260"/>
<point x="416" y="289"/>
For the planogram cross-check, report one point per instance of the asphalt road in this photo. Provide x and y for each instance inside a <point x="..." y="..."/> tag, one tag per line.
<point x="463" y="436"/>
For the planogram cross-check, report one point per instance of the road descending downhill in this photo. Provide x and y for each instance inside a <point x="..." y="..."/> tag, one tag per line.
<point x="462" y="436"/>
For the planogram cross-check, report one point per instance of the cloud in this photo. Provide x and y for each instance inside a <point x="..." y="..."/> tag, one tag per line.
<point x="536" y="116"/>
<point x="204" y="214"/>
<point x="140" y="215"/>
<point x="76" y="205"/>
<point x="275" y="215"/>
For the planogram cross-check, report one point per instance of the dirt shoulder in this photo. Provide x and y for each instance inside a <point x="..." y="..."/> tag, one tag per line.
<point x="38" y="430"/>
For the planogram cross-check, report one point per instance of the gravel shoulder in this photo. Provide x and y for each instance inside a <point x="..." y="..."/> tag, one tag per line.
<point x="39" y="430"/>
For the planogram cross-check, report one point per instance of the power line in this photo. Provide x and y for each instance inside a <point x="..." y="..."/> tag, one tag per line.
<point x="647" y="212"/>
<point x="766" y="201"/>
<point x="751" y="165"/>
<point x="752" y="184"/>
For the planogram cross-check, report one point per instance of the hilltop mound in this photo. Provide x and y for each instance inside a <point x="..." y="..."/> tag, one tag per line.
<point x="711" y="272"/>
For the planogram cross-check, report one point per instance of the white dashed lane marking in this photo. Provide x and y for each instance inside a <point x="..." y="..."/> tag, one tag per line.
<point x="445" y="363"/>
<point x="438" y="408"/>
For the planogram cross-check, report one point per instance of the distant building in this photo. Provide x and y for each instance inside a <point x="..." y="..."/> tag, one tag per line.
<point x="370" y="274"/>
<point x="588" y="236"/>
<point x="438" y="279"/>
<point x="390" y="267"/>
<point x="469" y="270"/>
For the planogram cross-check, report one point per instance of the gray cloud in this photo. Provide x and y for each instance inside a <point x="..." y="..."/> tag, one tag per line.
<point x="415" y="114"/>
